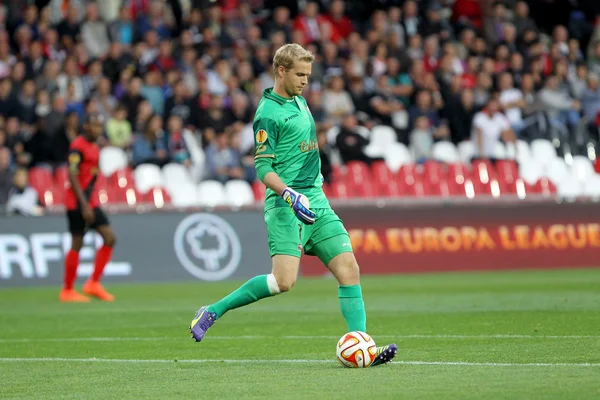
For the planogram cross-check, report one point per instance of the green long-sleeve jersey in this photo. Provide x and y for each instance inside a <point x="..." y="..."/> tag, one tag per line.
<point x="285" y="140"/>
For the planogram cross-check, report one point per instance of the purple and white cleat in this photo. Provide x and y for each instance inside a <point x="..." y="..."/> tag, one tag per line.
<point x="385" y="354"/>
<point x="203" y="320"/>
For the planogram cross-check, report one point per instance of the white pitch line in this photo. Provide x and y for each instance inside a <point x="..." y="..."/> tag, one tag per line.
<point x="399" y="337"/>
<point x="296" y="361"/>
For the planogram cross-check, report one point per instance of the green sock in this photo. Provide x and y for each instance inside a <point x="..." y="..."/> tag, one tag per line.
<point x="353" y="307"/>
<point x="253" y="290"/>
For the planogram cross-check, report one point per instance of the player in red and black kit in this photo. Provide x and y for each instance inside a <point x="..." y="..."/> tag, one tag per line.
<point x="83" y="212"/>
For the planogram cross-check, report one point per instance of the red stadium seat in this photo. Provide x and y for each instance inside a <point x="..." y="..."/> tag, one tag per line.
<point x="458" y="174"/>
<point x="259" y="190"/>
<point x="338" y="172"/>
<point x="434" y="172"/>
<point x="545" y="187"/>
<point x="366" y="189"/>
<point x="52" y="196"/>
<point x="339" y="190"/>
<point x="381" y="173"/>
<point x="483" y="171"/>
<point x="41" y="179"/>
<point x="446" y="187"/>
<point x="597" y="165"/>
<point x="407" y="175"/>
<point x="158" y="197"/>
<point x="123" y="178"/>
<point x="392" y="188"/>
<point x="61" y="177"/>
<point x="520" y="188"/>
<point x="358" y="172"/>
<point x="420" y="187"/>
<point x="508" y="171"/>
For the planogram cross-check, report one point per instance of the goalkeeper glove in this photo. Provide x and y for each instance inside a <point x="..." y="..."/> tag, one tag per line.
<point x="300" y="204"/>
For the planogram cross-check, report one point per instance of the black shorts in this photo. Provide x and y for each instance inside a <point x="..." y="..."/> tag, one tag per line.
<point x="77" y="225"/>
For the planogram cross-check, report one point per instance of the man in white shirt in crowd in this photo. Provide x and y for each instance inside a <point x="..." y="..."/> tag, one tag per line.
<point x="23" y="199"/>
<point x="490" y="126"/>
<point x="512" y="102"/>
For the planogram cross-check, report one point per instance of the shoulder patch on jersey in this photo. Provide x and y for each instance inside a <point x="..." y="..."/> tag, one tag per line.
<point x="261" y="136"/>
<point x="74" y="158"/>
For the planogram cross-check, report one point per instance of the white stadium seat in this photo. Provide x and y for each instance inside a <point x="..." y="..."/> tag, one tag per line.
<point x="175" y="173"/>
<point x="383" y="136"/>
<point x="570" y="188"/>
<point x="397" y="155"/>
<point x="196" y="154"/>
<point x="531" y="171"/>
<point x="211" y="193"/>
<point x="500" y="152"/>
<point x="183" y="194"/>
<point x="520" y="152"/>
<point x="582" y="168"/>
<point x="147" y="176"/>
<point x="466" y="151"/>
<point x="592" y="186"/>
<point x="239" y="193"/>
<point x="331" y="134"/>
<point x="111" y="160"/>
<point x="445" y="152"/>
<point x="364" y="132"/>
<point x="557" y="171"/>
<point x="543" y="151"/>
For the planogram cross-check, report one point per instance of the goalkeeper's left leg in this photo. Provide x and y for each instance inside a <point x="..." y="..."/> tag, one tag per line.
<point x="253" y="290"/>
<point x="283" y="277"/>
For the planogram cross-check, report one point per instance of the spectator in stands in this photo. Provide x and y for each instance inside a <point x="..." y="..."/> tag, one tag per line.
<point x="132" y="99"/>
<point x="94" y="33"/>
<point x="152" y="91"/>
<point x="63" y="136"/>
<point x="561" y="107"/>
<point x="178" y="151"/>
<point x="246" y="154"/>
<point x="26" y="105"/>
<point x="179" y="103"/>
<point x="522" y="21"/>
<point x="222" y="161"/>
<point x="493" y="26"/>
<point x="512" y="102"/>
<point x="150" y="146"/>
<point x="122" y="30"/>
<point x="105" y="100"/>
<point x="214" y="118"/>
<point x="16" y="141"/>
<point x="337" y="102"/>
<point x="8" y="101"/>
<point x="144" y="112"/>
<point x="5" y="174"/>
<point x="590" y="99"/>
<point x="280" y="23"/>
<point x="424" y="107"/>
<point x="489" y="127"/>
<point x="324" y="155"/>
<point x="118" y="128"/>
<point x="22" y="198"/>
<point x="350" y="142"/>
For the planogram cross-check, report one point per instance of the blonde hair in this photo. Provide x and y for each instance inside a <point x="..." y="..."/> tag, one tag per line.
<point x="288" y="54"/>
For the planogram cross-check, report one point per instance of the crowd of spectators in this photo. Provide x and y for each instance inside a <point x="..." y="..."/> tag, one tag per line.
<point x="161" y="71"/>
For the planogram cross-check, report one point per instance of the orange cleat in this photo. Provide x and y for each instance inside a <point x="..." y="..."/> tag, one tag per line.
<point x="72" y="296"/>
<point x="95" y="289"/>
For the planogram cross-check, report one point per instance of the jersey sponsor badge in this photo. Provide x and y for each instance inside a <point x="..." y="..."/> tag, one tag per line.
<point x="261" y="136"/>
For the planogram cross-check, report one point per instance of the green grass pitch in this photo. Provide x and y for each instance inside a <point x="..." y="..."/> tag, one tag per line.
<point x="494" y="335"/>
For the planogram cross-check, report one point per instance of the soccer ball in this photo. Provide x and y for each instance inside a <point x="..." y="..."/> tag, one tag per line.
<point x="356" y="350"/>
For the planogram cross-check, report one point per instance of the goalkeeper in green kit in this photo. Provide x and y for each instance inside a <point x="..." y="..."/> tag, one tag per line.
<point x="297" y="213"/>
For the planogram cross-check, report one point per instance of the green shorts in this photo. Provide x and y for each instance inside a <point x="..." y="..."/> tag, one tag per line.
<point x="326" y="238"/>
